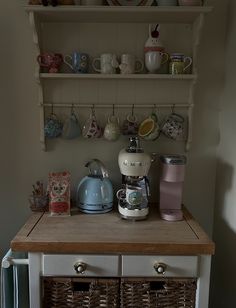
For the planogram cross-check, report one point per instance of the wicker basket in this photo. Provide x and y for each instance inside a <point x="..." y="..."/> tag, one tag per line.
<point x="80" y="292"/>
<point x="164" y="293"/>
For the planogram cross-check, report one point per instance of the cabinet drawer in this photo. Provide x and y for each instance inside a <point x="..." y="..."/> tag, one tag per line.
<point x="175" y="266"/>
<point x="95" y="265"/>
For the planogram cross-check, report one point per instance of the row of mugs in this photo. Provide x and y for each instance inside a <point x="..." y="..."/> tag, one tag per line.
<point x="78" y="62"/>
<point x="149" y="129"/>
<point x="108" y="63"/>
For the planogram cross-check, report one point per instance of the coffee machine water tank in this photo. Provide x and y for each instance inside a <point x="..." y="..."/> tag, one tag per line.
<point x="133" y="161"/>
<point x="171" y="186"/>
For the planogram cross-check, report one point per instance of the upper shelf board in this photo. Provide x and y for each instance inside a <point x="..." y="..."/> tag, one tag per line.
<point x="116" y="14"/>
<point x="120" y="76"/>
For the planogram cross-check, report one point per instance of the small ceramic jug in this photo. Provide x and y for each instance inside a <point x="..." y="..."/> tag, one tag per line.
<point x="112" y="129"/>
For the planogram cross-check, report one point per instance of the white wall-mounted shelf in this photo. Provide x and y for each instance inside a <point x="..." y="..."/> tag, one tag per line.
<point x="116" y="14"/>
<point x="194" y="16"/>
<point x="119" y="76"/>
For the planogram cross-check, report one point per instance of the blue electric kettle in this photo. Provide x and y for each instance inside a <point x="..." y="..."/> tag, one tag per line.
<point x="95" y="192"/>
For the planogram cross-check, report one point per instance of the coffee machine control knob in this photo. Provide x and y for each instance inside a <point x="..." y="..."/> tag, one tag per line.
<point x="80" y="267"/>
<point x="160" y="268"/>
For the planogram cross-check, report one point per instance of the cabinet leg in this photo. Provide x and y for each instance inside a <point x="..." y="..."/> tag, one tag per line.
<point x="203" y="283"/>
<point x="34" y="279"/>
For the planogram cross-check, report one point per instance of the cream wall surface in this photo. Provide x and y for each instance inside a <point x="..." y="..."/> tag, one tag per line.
<point x="224" y="266"/>
<point x="23" y="162"/>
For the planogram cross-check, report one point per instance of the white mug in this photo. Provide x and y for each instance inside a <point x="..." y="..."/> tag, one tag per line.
<point x="112" y="129"/>
<point x="132" y="195"/>
<point x="130" y="65"/>
<point x="108" y="63"/>
<point x="154" y="60"/>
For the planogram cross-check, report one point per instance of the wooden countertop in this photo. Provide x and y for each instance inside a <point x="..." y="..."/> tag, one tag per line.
<point x="108" y="233"/>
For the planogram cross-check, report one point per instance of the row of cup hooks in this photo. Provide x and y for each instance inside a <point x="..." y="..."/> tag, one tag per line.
<point x="149" y="128"/>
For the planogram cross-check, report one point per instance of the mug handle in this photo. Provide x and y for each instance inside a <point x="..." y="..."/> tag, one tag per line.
<point x="190" y="62"/>
<point x="167" y="57"/>
<point x="118" y="194"/>
<point x="66" y="62"/>
<point x="113" y="119"/>
<point x="94" y="66"/>
<point x="40" y="61"/>
<point x="140" y="63"/>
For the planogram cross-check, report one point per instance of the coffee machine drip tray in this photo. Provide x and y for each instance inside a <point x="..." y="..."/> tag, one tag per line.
<point x="137" y="213"/>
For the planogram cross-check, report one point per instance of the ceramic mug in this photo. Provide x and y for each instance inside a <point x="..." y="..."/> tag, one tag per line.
<point x="131" y="194"/>
<point x="149" y="129"/>
<point x="108" y="63"/>
<point x="130" y="125"/>
<point x="112" y="129"/>
<point x="178" y="64"/>
<point x="130" y="65"/>
<point x="71" y="128"/>
<point x="78" y="62"/>
<point x="51" y="62"/>
<point x="154" y="60"/>
<point x="91" y="128"/>
<point x="173" y="126"/>
<point x="53" y="127"/>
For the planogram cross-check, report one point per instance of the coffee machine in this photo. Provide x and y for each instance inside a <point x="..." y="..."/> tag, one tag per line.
<point x="134" y="165"/>
<point x="171" y="186"/>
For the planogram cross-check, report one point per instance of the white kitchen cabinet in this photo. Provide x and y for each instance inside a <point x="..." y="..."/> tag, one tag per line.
<point x="105" y="246"/>
<point x="115" y="29"/>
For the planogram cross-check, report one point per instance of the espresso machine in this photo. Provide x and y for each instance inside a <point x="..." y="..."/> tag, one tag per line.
<point x="172" y="171"/>
<point x="134" y="165"/>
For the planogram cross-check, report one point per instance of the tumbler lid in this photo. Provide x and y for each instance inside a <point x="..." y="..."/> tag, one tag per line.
<point x="173" y="159"/>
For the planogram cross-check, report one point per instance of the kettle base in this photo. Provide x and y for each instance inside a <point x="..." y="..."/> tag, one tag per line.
<point x="95" y="208"/>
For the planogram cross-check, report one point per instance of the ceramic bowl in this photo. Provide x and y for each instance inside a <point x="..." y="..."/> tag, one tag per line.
<point x="190" y="2"/>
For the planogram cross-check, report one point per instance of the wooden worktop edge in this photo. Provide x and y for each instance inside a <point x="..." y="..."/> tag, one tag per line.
<point x="116" y="248"/>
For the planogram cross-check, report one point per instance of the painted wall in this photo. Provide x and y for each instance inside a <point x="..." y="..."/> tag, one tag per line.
<point x="224" y="267"/>
<point x="23" y="162"/>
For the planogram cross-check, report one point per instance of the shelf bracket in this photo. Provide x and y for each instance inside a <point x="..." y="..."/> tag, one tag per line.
<point x="35" y="25"/>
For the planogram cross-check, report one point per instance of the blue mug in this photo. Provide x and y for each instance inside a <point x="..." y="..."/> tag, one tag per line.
<point x="71" y="128"/>
<point x="53" y="127"/>
<point x="78" y="62"/>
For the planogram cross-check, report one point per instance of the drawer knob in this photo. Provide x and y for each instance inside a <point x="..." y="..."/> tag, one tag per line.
<point x="160" y="268"/>
<point x="80" y="267"/>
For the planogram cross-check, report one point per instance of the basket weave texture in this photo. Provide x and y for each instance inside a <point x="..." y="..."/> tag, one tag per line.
<point x="80" y="293"/>
<point x="165" y="293"/>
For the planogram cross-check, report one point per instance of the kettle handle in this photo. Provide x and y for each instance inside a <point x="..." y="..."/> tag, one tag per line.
<point x="100" y="166"/>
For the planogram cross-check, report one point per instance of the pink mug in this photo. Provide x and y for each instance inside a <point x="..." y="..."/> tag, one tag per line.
<point x="91" y="128"/>
<point x="50" y="61"/>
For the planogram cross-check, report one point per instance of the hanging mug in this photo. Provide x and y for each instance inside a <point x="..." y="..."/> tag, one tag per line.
<point x="53" y="127"/>
<point x="130" y="125"/>
<point x="71" y="128"/>
<point x="173" y="126"/>
<point x="91" y="128"/>
<point x="112" y="129"/>
<point x="149" y="129"/>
